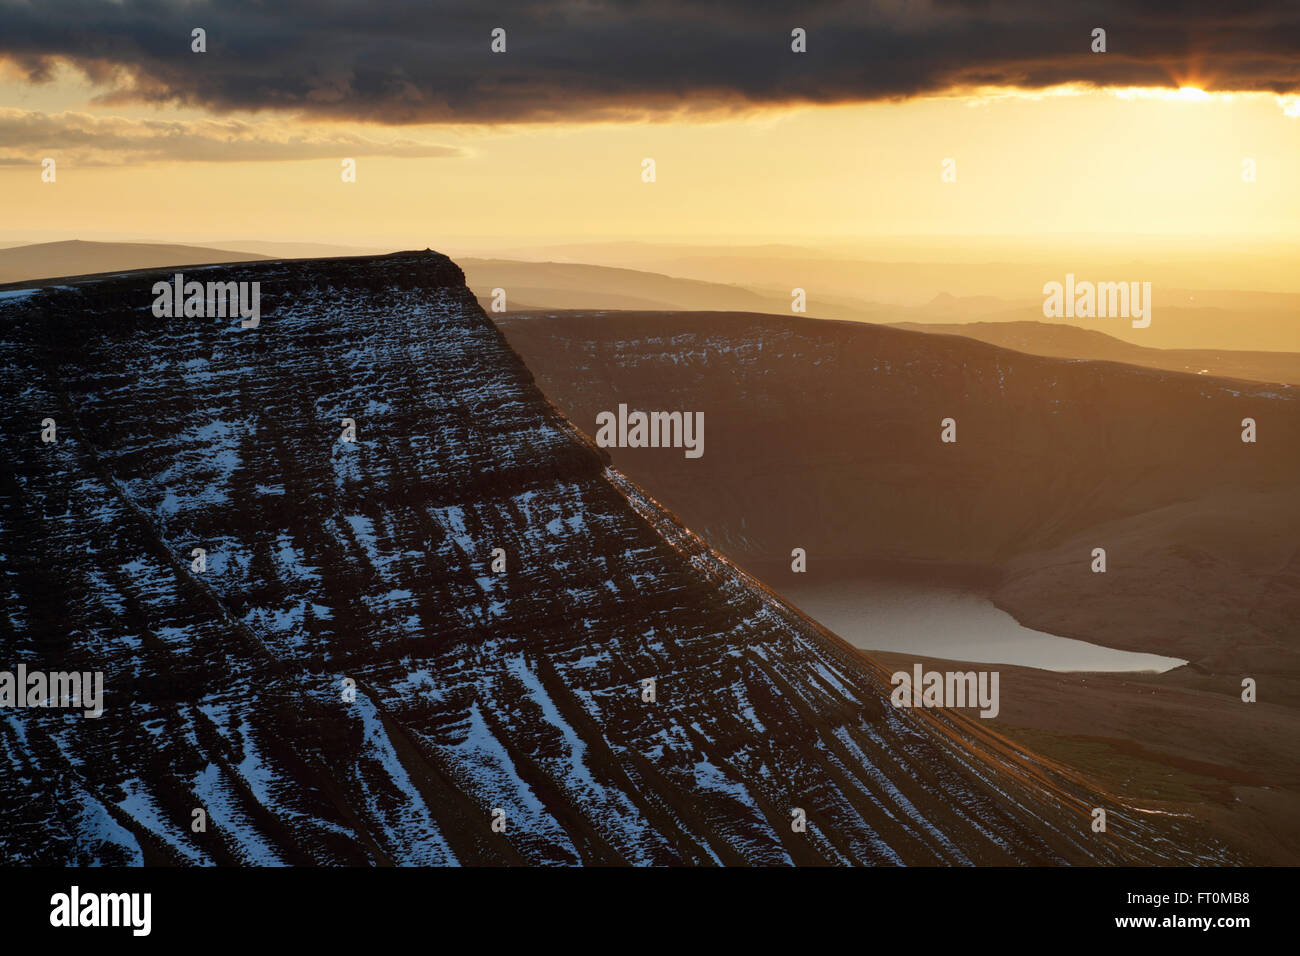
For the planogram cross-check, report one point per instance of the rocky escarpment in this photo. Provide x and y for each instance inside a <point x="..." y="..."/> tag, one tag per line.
<point x="347" y="678"/>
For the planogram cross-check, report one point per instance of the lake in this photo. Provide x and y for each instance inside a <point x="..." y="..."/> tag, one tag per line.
<point x="953" y="623"/>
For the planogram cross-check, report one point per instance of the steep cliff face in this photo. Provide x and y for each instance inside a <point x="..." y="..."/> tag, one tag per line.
<point x="348" y="680"/>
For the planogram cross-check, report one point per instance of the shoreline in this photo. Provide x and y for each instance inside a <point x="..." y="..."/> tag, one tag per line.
<point x="1124" y="729"/>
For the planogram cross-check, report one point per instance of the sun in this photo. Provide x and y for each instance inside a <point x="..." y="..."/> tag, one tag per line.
<point x="1183" y="94"/>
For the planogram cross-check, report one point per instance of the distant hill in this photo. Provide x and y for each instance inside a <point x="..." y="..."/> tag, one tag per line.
<point x="1069" y="341"/>
<point x="548" y="286"/>
<point x="1189" y="323"/>
<point x="301" y="250"/>
<point x="1183" y="319"/>
<point x="565" y="285"/>
<point x="49" y="260"/>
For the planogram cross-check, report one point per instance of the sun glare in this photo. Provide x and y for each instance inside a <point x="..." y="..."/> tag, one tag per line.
<point x="1184" y="94"/>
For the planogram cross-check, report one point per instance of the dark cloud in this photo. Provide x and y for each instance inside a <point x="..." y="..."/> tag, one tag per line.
<point x="394" y="62"/>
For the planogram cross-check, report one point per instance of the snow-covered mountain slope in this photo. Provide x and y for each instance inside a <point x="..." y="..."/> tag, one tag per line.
<point x="347" y="680"/>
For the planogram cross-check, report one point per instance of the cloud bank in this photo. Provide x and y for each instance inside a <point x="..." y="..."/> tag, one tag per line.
<point x="407" y="63"/>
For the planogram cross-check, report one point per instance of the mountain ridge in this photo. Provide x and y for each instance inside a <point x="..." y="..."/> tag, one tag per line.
<point x="370" y="562"/>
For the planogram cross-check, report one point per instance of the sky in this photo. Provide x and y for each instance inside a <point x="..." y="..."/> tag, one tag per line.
<point x="1186" y="128"/>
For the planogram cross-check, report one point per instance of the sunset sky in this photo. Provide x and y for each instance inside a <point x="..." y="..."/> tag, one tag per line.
<point x="752" y="142"/>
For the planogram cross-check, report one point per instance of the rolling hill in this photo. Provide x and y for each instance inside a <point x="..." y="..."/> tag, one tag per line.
<point x="46" y="260"/>
<point x="1069" y="341"/>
